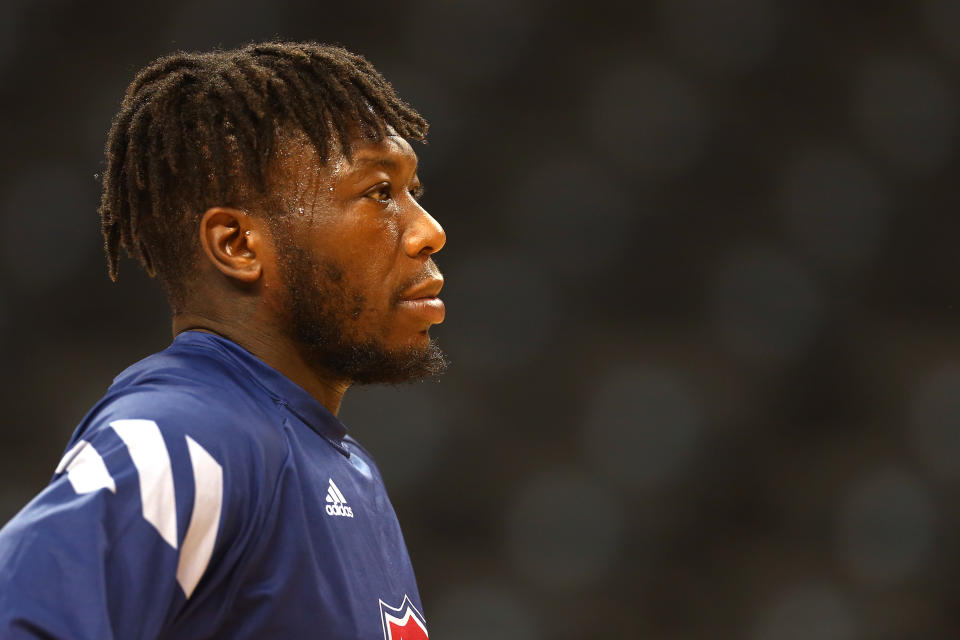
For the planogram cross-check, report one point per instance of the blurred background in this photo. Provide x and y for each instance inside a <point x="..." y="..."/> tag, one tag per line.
<point x="702" y="293"/>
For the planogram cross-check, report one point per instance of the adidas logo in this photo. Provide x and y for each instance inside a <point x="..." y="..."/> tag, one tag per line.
<point x="336" y="503"/>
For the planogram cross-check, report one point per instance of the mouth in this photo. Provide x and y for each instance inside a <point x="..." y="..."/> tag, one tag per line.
<point x="430" y="309"/>
<point x="421" y="300"/>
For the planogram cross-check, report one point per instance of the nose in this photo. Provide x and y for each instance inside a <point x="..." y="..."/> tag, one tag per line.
<point x="424" y="235"/>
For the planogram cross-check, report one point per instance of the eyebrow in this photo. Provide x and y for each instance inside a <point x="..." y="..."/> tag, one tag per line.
<point x="389" y="163"/>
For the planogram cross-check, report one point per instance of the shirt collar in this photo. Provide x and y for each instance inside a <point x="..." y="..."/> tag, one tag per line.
<point x="284" y="391"/>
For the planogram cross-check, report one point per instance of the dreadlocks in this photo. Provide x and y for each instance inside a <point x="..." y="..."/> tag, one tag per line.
<point x="197" y="130"/>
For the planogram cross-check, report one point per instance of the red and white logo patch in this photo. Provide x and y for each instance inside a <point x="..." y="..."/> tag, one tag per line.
<point x="404" y="622"/>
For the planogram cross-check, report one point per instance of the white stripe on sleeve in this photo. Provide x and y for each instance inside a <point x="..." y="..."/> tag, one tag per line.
<point x="86" y="470"/>
<point x="150" y="457"/>
<point x="205" y="519"/>
<point x="69" y="456"/>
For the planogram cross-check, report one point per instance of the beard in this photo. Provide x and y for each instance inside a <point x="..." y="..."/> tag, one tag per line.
<point x="322" y="315"/>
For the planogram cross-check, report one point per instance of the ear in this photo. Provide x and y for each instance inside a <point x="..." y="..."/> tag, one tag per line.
<point x="231" y="241"/>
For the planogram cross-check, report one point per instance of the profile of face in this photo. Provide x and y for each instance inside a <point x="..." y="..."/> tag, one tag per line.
<point x="353" y="254"/>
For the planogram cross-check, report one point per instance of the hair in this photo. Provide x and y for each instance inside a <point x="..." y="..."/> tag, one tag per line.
<point x="197" y="130"/>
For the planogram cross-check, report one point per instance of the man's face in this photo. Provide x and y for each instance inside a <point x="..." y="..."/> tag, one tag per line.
<point x="353" y="257"/>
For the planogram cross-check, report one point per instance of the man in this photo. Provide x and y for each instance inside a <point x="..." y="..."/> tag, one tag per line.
<point x="212" y="493"/>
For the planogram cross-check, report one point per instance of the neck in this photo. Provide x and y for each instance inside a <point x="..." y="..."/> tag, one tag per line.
<point x="276" y="350"/>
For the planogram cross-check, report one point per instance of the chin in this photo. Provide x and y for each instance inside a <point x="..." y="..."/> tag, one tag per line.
<point x="401" y="341"/>
<point x="411" y="363"/>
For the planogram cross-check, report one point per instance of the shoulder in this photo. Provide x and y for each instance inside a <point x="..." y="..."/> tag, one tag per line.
<point x="193" y="404"/>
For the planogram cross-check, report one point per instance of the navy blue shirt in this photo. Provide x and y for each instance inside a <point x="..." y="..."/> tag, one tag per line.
<point x="208" y="496"/>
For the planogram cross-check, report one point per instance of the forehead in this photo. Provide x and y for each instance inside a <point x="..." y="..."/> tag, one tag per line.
<point x="296" y="157"/>
<point x="390" y="152"/>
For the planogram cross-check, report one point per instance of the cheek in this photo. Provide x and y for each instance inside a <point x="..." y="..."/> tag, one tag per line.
<point x="366" y="248"/>
<point x="375" y="257"/>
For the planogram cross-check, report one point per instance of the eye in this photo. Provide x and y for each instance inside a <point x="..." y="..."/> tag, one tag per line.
<point x="417" y="192"/>
<point x="380" y="193"/>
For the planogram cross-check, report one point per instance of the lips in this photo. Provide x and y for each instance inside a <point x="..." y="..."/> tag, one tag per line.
<point x="430" y="309"/>
<point x="427" y="288"/>
<point x="421" y="300"/>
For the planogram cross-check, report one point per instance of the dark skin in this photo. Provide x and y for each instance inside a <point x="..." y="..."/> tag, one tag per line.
<point x="361" y="215"/>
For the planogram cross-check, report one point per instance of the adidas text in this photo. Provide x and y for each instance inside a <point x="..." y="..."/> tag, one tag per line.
<point x="339" y="510"/>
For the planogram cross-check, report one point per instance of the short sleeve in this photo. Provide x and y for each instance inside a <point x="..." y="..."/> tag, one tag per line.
<point x="146" y="507"/>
